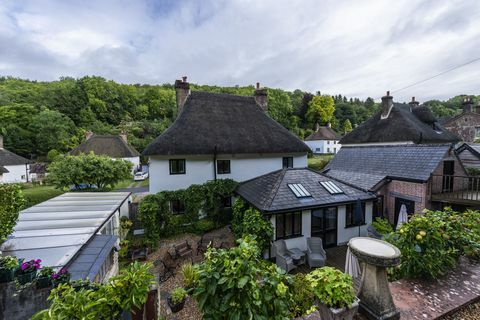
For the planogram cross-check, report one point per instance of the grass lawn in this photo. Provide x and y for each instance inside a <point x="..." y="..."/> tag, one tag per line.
<point x="130" y="183"/>
<point x="37" y="194"/>
<point x="319" y="162"/>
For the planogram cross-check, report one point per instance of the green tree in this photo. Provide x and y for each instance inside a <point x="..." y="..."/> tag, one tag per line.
<point x="320" y="109"/>
<point x="11" y="201"/>
<point x="88" y="169"/>
<point x="347" y="126"/>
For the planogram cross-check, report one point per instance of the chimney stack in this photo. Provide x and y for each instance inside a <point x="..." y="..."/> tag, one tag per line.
<point x="182" y="90"/>
<point x="317" y="127"/>
<point x="413" y="103"/>
<point x="123" y="135"/>
<point x="1" y="141"/>
<point x="88" y="134"/>
<point x="261" y="97"/>
<point x="467" y="104"/>
<point x="387" y="104"/>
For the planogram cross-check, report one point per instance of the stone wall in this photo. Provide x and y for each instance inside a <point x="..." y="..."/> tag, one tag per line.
<point x="18" y="304"/>
<point x="465" y="126"/>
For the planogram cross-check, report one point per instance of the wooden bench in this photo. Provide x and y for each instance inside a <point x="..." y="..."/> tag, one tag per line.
<point x="182" y="249"/>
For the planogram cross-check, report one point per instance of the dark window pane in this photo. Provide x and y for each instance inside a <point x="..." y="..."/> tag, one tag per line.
<point x="287" y="162"/>
<point x="177" y="166"/>
<point x="223" y="166"/>
<point x="297" y="224"/>
<point x="227" y="202"/>
<point x="178" y="207"/>
<point x="279" y="225"/>
<point x="288" y="224"/>
<point x="330" y="218"/>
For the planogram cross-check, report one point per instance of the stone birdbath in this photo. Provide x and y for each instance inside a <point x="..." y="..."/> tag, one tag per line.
<point x="375" y="256"/>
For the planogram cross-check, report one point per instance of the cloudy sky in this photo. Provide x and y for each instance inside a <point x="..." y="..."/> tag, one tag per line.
<point x="356" y="48"/>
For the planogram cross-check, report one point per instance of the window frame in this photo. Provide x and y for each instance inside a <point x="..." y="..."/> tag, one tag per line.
<point x="351" y="224"/>
<point x="180" y="204"/>
<point x="223" y="171"/>
<point x="289" y="161"/>
<point x="227" y="202"/>
<point x="293" y="234"/>
<point x="177" y="161"/>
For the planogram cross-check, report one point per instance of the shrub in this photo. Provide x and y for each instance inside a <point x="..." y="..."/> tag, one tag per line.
<point x="302" y="296"/>
<point x="382" y="226"/>
<point x="124" y="247"/>
<point x="258" y="227"/>
<point x="332" y="287"/>
<point x="8" y="262"/>
<point x="178" y="295"/>
<point x="46" y="272"/>
<point x="190" y="275"/>
<point x="11" y="201"/>
<point x="239" y="208"/>
<point x="204" y="225"/>
<point x="238" y="284"/>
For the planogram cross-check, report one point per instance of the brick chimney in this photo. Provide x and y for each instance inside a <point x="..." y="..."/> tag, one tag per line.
<point x="261" y="97"/>
<point x="1" y="141"/>
<point x="88" y="135"/>
<point x="123" y="135"/>
<point x="387" y="104"/>
<point x="414" y="103"/>
<point x="182" y="89"/>
<point x="467" y="104"/>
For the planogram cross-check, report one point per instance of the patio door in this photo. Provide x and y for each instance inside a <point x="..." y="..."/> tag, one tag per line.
<point x="324" y="225"/>
<point x="448" y="172"/>
<point x="409" y="204"/>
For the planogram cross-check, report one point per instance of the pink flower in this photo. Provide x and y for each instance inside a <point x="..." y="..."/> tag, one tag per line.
<point x="55" y="276"/>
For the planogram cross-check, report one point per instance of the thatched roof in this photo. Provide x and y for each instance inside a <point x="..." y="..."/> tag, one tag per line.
<point x="402" y="125"/>
<point x="323" y="133"/>
<point x="108" y="145"/>
<point x="231" y="124"/>
<point x="3" y="170"/>
<point x="8" y="158"/>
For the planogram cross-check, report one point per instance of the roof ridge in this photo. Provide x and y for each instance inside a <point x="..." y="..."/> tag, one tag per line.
<point x="274" y="190"/>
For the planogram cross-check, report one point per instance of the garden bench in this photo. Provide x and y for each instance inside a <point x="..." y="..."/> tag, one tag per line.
<point x="182" y="250"/>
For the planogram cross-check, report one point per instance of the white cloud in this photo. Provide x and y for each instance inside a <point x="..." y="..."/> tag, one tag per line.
<point x="356" y="48"/>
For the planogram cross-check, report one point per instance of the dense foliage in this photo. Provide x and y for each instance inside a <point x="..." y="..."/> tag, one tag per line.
<point x="11" y="201"/>
<point x="107" y="301"/>
<point x="332" y="287"/>
<point x="238" y="284"/>
<point x="159" y="220"/>
<point x="249" y="221"/>
<point x="382" y="226"/>
<point x="88" y="169"/>
<point x="431" y="243"/>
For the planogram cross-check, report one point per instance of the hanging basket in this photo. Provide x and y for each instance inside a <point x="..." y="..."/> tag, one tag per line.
<point x="24" y="278"/>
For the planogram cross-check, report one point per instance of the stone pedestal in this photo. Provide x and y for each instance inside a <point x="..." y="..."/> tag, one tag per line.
<point x="375" y="255"/>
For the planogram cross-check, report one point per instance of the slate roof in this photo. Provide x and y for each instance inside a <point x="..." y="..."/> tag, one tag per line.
<point x="473" y="147"/>
<point x="108" y="145"/>
<point x="233" y="124"/>
<point x="446" y="121"/>
<point x="366" y="166"/>
<point x="270" y="192"/>
<point x="402" y="125"/>
<point x="3" y="170"/>
<point x="323" y="133"/>
<point x="8" y="158"/>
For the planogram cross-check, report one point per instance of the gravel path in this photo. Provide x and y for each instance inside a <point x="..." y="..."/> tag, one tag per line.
<point x="470" y="312"/>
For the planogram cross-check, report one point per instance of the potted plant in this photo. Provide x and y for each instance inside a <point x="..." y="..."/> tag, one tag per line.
<point x="44" y="278"/>
<point x="190" y="276"/>
<point x="8" y="265"/>
<point x="335" y="295"/>
<point x="62" y="276"/>
<point x="177" y="300"/>
<point x="28" y="271"/>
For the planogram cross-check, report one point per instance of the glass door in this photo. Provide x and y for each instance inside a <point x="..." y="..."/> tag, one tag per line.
<point x="324" y="225"/>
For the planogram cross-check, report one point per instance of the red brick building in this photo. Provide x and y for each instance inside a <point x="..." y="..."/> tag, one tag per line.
<point x="467" y="124"/>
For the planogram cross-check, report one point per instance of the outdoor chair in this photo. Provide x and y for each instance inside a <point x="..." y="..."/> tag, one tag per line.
<point x="283" y="257"/>
<point x="316" y="255"/>
<point x="140" y="254"/>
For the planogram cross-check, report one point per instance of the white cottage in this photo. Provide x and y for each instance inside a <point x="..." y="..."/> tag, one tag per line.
<point x="323" y="141"/>
<point x="13" y="168"/>
<point x="220" y="136"/>
<point x="303" y="203"/>
<point x="116" y="147"/>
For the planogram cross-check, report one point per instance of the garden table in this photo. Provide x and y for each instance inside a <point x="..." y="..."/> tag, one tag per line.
<point x="298" y="256"/>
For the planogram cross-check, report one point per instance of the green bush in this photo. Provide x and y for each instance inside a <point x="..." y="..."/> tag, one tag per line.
<point x="178" y="295"/>
<point x="190" y="275"/>
<point x="238" y="284"/>
<point x="204" y="225"/>
<point x="332" y="287"/>
<point x="11" y="202"/>
<point x="302" y="296"/>
<point x="239" y="208"/>
<point x="382" y="226"/>
<point x="8" y="262"/>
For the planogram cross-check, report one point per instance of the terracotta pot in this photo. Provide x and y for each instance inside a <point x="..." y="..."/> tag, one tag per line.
<point x="327" y="313"/>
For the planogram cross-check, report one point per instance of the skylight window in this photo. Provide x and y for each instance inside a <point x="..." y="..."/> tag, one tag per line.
<point x="331" y="187"/>
<point x="299" y="191"/>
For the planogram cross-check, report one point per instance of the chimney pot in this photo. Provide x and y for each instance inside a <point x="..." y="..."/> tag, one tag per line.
<point x="184" y="78"/>
<point x="414" y="103"/>
<point x="388" y="93"/>
<point x="261" y="97"/>
<point x="182" y="91"/>
<point x="467" y="105"/>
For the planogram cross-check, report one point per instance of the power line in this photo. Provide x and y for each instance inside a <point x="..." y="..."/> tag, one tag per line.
<point x="437" y="75"/>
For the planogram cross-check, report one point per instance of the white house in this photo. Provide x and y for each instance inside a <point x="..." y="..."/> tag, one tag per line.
<point x="13" y="168"/>
<point x="219" y="136"/>
<point x="303" y="203"/>
<point x="116" y="147"/>
<point x="323" y="141"/>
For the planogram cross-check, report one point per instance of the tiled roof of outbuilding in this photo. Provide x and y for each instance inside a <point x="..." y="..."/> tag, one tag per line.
<point x="270" y="192"/>
<point x="108" y="145"/>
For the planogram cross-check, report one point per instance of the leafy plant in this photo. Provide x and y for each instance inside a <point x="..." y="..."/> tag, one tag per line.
<point x="62" y="276"/>
<point x="30" y="266"/>
<point x="11" y="201"/>
<point x="8" y="262"/>
<point x="238" y="284"/>
<point x="332" y="287"/>
<point x="124" y="247"/>
<point x="125" y="226"/>
<point x="46" y="272"/>
<point x="249" y="221"/>
<point x="178" y="295"/>
<point x="302" y="296"/>
<point x="190" y="275"/>
<point x="382" y="226"/>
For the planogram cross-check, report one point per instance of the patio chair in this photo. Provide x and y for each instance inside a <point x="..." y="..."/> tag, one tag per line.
<point x="316" y="255"/>
<point x="283" y="257"/>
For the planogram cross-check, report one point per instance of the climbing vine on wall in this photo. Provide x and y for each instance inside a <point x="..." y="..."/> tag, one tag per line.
<point x="206" y="200"/>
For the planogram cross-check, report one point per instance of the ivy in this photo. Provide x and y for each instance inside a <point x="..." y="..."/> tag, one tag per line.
<point x="205" y="200"/>
<point x="11" y="201"/>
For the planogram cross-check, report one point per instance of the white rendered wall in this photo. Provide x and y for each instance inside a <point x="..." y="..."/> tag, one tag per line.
<point x="15" y="174"/>
<point x="325" y="146"/>
<point x="345" y="234"/>
<point x="200" y="169"/>
<point x="135" y="161"/>
<point x="298" y="242"/>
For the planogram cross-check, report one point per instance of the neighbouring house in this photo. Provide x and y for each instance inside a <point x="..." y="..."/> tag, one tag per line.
<point x="469" y="155"/>
<point x="13" y="168"/>
<point x="219" y="136"/>
<point x="466" y="125"/>
<point x="404" y="156"/>
<point x="302" y="203"/>
<point x="38" y="171"/>
<point x="324" y="140"/>
<point x="115" y="147"/>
